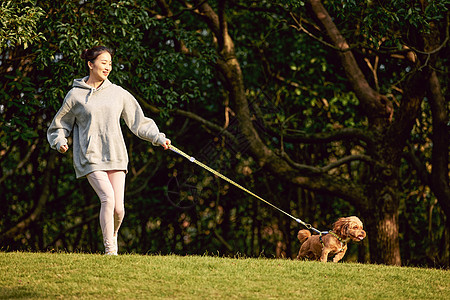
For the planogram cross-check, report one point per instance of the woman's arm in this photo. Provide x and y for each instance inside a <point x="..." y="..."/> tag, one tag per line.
<point x="143" y="127"/>
<point x="61" y="127"/>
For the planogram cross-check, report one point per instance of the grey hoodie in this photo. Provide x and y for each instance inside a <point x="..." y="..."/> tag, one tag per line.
<point x="93" y="115"/>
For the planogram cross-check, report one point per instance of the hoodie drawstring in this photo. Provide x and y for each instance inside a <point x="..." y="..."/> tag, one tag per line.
<point x="90" y="94"/>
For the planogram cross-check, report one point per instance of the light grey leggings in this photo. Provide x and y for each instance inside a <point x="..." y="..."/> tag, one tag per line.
<point x="109" y="186"/>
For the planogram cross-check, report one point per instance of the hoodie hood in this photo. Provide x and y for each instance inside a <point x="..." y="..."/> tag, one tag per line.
<point x="81" y="83"/>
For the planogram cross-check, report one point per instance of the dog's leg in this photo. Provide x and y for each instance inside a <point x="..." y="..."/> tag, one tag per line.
<point x="303" y="252"/>
<point x="339" y="256"/>
<point x="324" y="256"/>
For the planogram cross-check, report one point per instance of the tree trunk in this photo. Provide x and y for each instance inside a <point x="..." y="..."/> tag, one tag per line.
<point x="382" y="224"/>
<point x="385" y="247"/>
<point x="381" y="212"/>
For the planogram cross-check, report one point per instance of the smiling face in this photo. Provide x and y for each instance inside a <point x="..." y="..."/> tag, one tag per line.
<point x="100" y="68"/>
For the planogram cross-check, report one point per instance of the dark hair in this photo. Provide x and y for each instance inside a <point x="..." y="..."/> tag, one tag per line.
<point x="91" y="54"/>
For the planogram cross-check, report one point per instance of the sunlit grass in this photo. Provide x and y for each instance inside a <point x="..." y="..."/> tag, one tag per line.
<point x="93" y="276"/>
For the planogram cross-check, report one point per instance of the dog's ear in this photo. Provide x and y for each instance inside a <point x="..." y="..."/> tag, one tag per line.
<point x="341" y="226"/>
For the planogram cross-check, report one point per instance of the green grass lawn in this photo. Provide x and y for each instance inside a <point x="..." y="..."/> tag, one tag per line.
<point x="94" y="276"/>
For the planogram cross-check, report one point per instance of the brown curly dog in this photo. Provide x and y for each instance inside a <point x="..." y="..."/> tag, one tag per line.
<point x="318" y="247"/>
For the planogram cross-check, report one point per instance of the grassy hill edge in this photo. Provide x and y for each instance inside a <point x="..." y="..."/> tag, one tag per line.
<point x="25" y="275"/>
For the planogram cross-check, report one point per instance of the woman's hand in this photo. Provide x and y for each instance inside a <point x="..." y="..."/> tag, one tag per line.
<point x="63" y="148"/>
<point x="166" y="144"/>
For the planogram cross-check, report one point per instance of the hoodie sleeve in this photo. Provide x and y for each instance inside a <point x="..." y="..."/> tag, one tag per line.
<point x="143" y="127"/>
<point x="61" y="126"/>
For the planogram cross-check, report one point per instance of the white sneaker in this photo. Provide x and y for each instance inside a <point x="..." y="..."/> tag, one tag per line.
<point x="110" y="249"/>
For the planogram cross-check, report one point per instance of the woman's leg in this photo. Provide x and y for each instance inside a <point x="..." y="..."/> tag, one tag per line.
<point x="101" y="184"/>
<point x="117" y="179"/>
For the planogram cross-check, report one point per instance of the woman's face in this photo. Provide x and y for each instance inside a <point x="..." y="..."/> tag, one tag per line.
<point x="101" y="67"/>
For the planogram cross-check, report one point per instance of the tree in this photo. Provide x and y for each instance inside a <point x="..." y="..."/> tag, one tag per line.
<point x="388" y="127"/>
<point x="19" y="22"/>
<point x="324" y="97"/>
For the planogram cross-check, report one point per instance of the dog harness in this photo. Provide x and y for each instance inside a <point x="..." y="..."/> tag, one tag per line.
<point x="343" y="242"/>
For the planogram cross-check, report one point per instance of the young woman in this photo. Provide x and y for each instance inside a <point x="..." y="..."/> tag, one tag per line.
<point x="92" y="110"/>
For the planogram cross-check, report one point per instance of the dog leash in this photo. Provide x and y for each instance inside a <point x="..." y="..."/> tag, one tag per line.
<point x="193" y="160"/>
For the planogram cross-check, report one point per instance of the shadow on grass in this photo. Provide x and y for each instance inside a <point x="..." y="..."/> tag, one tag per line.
<point x="17" y="292"/>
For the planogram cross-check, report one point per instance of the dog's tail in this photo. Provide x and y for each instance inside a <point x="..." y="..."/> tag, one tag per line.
<point x="303" y="235"/>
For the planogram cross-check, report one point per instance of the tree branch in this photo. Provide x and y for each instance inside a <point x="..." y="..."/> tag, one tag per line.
<point x="21" y="163"/>
<point x="441" y="136"/>
<point x="179" y="45"/>
<point x="143" y="185"/>
<point x="417" y="164"/>
<point x="222" y="23"/>
<point x="325" y="169"/>
<point x="192" y="116"/>
<point x="210" y="17"/>
<point x="230" y="69"/>
<point x="378" y="107"/>
<point x="223" y="241"/>
<point x="62" y="234"/>
<point x="24" y="224"/>
<point x="326" y="137"/>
